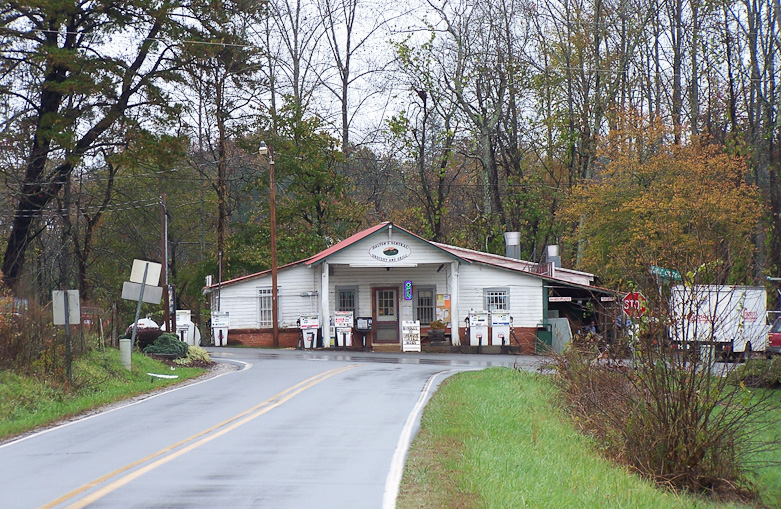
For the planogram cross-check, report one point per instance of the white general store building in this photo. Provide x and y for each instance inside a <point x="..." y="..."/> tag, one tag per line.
<point x="393" y="276"/>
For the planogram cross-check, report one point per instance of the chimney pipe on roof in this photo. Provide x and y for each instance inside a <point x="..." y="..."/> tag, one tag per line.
<point x="552" y="255"/>
<point x="512" y="245"/>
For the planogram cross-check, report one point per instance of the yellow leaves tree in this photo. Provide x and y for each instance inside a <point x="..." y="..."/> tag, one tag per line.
<point x="684" y="207"/>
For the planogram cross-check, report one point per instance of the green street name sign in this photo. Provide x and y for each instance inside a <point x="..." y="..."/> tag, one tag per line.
<point x="661" y="272"/>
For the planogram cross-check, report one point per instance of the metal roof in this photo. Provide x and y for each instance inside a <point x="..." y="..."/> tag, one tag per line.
<point x="464" y="255"/>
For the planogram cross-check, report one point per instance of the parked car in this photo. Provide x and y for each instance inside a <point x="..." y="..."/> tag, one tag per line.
<point x="774" y="337"/>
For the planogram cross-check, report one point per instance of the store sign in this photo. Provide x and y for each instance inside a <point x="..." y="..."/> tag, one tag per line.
<point x="410" y="336"/>
<point x="408" y="294"/>
<point x="390" y="251"/>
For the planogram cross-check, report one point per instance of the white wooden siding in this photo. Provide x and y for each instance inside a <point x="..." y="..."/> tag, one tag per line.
<point x="525" y="293"/>
<point x="242" y="302"/>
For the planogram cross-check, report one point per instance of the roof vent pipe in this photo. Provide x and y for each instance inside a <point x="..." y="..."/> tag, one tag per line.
<point x="552" y="255"/>
<point x="512" y="245"/>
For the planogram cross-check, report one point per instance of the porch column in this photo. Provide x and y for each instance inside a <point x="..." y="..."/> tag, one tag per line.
<point x="325" y="306"/>
<point x="454" y="313"/>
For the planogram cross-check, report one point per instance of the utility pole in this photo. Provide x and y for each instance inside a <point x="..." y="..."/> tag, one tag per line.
<point x="263" y="150"/>
<point x="170" y="325"/>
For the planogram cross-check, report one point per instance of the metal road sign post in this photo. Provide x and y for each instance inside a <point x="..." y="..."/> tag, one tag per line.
<point x="138" y="308"/>
<point x="67" y="311"/>
<point x="144" y="276"/>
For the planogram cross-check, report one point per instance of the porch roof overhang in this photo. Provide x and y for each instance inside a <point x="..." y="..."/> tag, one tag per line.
<point x="564" y="289"/>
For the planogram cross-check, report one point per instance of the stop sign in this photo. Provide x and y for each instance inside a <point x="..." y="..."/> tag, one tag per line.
<point x="634" y="304"/>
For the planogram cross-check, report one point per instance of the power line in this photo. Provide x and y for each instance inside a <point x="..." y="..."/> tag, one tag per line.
<point x="131" y="37"/>
<point x="130" y="205"/>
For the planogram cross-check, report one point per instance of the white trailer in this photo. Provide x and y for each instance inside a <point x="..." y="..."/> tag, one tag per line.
<point x="731" y="318"/>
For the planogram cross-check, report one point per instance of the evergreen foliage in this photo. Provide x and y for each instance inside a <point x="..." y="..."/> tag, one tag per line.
<point x="168" y="344"/>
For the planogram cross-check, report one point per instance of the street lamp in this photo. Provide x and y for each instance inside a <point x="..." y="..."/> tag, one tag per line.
<point x="263" y="149"/>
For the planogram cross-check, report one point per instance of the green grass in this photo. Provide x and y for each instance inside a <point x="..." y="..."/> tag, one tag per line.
<point x="768" y="479"/>
<point x="494" y="439"/>
<point x="27" y="403"/>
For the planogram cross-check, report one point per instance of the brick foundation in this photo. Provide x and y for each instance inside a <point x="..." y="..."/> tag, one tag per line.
<point x="289" y="338"/>
<point x="526" y="337"/>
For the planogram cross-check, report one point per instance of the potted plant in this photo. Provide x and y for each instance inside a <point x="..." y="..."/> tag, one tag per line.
<point x="436" y="330"/>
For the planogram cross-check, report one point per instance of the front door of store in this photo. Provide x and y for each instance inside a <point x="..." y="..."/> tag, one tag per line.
<point x="386" y="311"/>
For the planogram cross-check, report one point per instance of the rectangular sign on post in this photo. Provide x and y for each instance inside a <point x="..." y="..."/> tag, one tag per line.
<point x="132" y="291"/>
<point x="152" y="273"/>
<point x="74" y="308"/>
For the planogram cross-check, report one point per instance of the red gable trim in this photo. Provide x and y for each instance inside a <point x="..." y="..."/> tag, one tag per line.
<point x="321" y="256"/>
<point x="352" y="239"/>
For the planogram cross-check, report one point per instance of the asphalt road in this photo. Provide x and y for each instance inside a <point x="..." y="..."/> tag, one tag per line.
<point x="286" y="429"/>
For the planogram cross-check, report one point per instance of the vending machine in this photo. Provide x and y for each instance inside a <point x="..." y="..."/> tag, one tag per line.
<point x="309" y="325"/>
<point x="343" y="325"/>
<point x="364" y="325"/>
<point x="500" y="328"/>
<point x="220" y="324"/>
<point x="478" y="328"/>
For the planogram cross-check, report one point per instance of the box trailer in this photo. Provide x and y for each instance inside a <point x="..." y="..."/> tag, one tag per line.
<point x="731" y="318"/>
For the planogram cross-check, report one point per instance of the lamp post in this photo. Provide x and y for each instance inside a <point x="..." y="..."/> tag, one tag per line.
<point x="263" y="150"/>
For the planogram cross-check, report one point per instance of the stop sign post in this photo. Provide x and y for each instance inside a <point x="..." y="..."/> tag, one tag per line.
<point x="634" y="304"/>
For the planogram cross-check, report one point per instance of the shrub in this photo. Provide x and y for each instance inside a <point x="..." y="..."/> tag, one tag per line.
<point x="667" y="415"/>
<point x="146" y="336"/>
<point x="195" y="354"/>
<point x="29" y="342"/>
<point x="167" y="344"/>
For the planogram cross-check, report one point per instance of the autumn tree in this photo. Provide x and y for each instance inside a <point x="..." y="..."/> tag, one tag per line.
<point x="78" y="77"/>
<point x="684" y="207"/>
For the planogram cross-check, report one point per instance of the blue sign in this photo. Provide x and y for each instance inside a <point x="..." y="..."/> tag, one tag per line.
<point x="407" y="290"/>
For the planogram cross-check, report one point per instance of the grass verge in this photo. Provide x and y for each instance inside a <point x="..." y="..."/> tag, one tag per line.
<point x="768" y="478"/>
<point x="493" y="438"/>
<point x="27" y="403"/>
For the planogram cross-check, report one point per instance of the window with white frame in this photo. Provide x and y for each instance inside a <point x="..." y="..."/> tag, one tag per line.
<point x="496" y="299"/>
<point x="347" y="299"/>
<point x="265" y="307"/>
<point x="424" y="305"/>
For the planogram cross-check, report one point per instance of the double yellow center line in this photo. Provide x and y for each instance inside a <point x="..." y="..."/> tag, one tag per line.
<point x="188" y="444"/>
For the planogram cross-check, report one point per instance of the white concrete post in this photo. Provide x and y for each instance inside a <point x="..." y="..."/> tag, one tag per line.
<point x="125" y="349"/>
<point x="325" y="306"/>
<point x="455" y="317"/>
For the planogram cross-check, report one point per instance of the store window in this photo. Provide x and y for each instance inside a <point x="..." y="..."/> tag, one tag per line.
<point x="265" y="307"/>
<point x="347" y="300"/>
<point x="425" y="305"/>
<point x="496" y="299"/>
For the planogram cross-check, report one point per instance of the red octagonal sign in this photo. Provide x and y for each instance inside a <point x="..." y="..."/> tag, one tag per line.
<point x="634" y="304"/>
